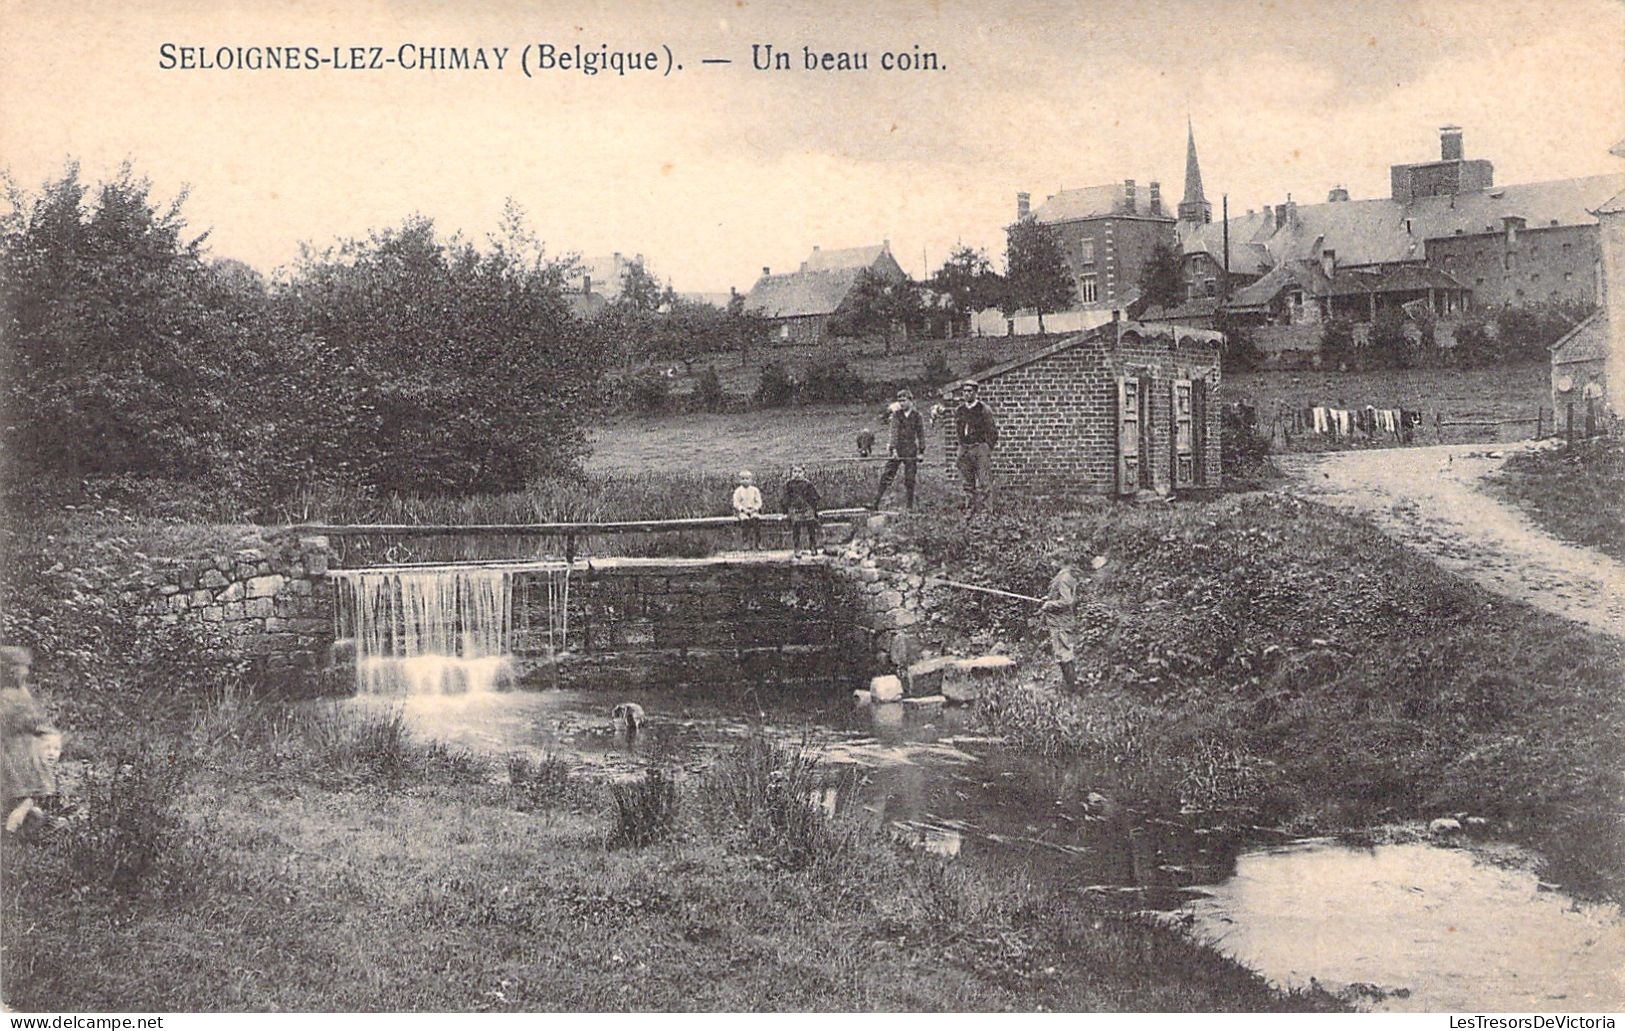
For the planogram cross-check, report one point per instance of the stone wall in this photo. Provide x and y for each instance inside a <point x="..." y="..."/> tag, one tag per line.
<point x="743" y="621"/>
<point x="272" y="600"/>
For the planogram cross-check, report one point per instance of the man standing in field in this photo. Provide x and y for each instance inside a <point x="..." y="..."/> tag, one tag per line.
<point x="978" y="435"/>
<point x="906" y="448"/>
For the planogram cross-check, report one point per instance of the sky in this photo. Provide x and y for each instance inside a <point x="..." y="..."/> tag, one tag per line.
<point x="717" y="170"/>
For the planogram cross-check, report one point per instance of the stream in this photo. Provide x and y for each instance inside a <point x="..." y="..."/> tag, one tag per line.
<point x="1394" y="927"/>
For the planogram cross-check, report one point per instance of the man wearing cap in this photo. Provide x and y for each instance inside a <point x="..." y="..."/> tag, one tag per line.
<point x="906" y="448"/>
<point x="978" y="435"/>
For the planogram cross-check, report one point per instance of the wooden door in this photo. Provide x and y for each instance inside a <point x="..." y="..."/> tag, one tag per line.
<point x="1128" y="434"/>
<point x="1182" y="435"/>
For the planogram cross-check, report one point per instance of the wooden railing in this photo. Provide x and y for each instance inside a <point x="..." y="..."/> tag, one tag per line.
<point x="569" y="531"/>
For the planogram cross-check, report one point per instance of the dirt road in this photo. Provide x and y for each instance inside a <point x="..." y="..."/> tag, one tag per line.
<point x="1430" y="499"/>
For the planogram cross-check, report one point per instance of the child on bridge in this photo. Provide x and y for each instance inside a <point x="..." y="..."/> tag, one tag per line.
<point x="801" y="505"/>
<point x="747" y="502"/>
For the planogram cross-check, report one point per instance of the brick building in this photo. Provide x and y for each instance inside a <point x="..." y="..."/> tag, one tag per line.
<point x="1513" y="244"/>
<point x="1119" y="409"/>
<point x="1107" y="234"/>
<point x="799" y="304"/>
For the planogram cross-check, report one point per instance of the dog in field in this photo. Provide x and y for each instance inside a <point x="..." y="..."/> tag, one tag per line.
<point x="628" y="716"/>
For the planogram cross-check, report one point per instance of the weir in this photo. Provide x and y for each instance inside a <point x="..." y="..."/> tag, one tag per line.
<point x="761" y="618"/>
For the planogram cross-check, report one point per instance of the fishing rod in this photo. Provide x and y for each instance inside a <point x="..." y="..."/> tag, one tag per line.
<point x="1098" y="562"/>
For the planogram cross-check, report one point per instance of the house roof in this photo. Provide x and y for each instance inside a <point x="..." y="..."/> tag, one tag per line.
<point x="1087" y="336"/>
<point x="1386" y="231"/>
<point x="793" y="294"/>
<point x="1305" y="275"/>
<point x="1194" y="308"/>
<point x="1096" y="202"/>
<point x="845" y="257"/>
<point x="1310" y="277"/>
<point x="1585" y="342"/>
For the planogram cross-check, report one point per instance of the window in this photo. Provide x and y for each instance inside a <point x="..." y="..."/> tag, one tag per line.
<point x="1510" y="260"/>
<point x="1212" y="288"/>
<point x="1088" y="292"/>
<point x="784" y="331"/>
<point x="1086" y="251"/>
<point x="1568" y="247"/>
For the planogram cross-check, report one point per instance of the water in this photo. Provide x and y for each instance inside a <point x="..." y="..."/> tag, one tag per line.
<point x="438" y="630"/>
<point x="1430" y="928"/>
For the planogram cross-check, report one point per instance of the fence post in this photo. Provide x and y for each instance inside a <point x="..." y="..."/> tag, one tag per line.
<point x="1540" y="412"/>
<point x="1438" y="427"/>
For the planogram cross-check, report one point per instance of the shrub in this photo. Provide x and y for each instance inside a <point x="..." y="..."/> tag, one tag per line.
<point x="1337" y="342"/>
<point x="1390" y="346"/>
<point x="645" y="810"/>
<point x="129" y="829"/>
<point x="830" y="382"/>
<point x="775" y="389"/>
<point x="1240" y="353"/>
<point x="708" y="392"/>
<point x="366" y="744"/>
<point x="649" y="394"/>
<point x="936" y="371"/>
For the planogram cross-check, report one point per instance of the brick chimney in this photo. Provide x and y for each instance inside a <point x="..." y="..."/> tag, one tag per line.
<point x="1328" y="261"/>
<point x="1024" y="205"/>
<point x="586" y="285"/>
<point x="1129" y="202"/>
<point x="766" y="271"/>
<point x="1337" y="194"/>
<point x="1450" y="143"/>
<point x="1156" y="197"/>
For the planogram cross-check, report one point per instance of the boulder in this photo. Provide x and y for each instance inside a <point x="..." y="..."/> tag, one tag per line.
<point x="861" y="698"/>
<point x="962" y="682"/>
<point x="925" y="676"/>
<point x="905" y="650"/>
<point x="1444" y="825"/>
<point x="885" y="689"/>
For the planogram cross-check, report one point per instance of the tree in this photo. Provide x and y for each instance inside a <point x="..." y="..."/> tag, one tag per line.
<point x="1160" y="284"/>
<point x="1036" y="275"/>
<point x="115" y="360"/>
<point x="442" y="369"/>
<point x="969" y="284"/>
<point x="878" y="305"/>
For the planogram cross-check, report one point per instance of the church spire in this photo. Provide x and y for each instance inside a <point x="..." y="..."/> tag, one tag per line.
<point x="1194" y="208"/>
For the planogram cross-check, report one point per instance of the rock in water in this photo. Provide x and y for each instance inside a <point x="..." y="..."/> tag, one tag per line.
<point x="886" y="689"/>
<point x="1444" y="825"/>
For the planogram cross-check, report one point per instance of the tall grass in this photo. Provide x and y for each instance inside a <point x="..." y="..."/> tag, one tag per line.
<point x="644" y="810"/>
<point x="784" y="804"/>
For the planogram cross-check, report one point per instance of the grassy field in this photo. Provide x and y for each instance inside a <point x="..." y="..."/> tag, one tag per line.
<point x="275" y="860"/>
<point x="824" y="435"/>
<point x="1577" y="493"/>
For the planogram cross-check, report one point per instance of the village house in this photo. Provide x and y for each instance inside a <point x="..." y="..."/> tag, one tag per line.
<point x="1514" y="244"/>
<point x="799" y="304"/>
<point x="1605" y="343"/>
<point x="1119" y="409"/>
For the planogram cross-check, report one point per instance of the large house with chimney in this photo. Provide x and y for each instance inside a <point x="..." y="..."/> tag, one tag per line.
<point x="1445" y="237"/>
<point x="799" y="304"/>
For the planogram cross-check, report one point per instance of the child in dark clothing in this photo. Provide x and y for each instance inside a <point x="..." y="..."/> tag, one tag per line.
<point x="801" y="505"/>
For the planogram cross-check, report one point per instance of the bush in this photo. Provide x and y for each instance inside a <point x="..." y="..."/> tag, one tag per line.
<point x="708" y="392"/>
<point x="540" y="785"/>
<point x="645" y="810"/>
<point x="1390" y="346"/>
<point x="649" y="394"/>
<point x="830" y="382"/>
<point x="129" y="829"/>
<point x="1337" y="343"/>
<point x="775" y="389"/>
<point x="936" y="371"/>
<point x="1240" y="353"/>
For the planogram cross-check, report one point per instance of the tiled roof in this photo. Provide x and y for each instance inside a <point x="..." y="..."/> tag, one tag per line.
<point x="792" y="294"/>
<point x="1095" y="202"/>
<point x="1247" y="257"/>
<point x="847" y="257"/>
<point x="1385" y="231"/>
<point x="1304" y="274"/>
<point x="1585" y="342"/>
<point x="1195" y="308"/>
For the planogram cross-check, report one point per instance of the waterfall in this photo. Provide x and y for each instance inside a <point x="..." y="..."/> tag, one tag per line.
<point x="444" y="630"/>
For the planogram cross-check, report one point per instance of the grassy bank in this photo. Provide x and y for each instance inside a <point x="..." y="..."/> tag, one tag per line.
<point x="254" y="859"/>
<point x="1576" y="493"/>
<point x="1270" y="656"/>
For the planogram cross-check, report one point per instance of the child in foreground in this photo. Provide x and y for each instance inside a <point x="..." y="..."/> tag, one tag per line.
<point x="801" y="505"/>
<point x="747" y="502"/>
